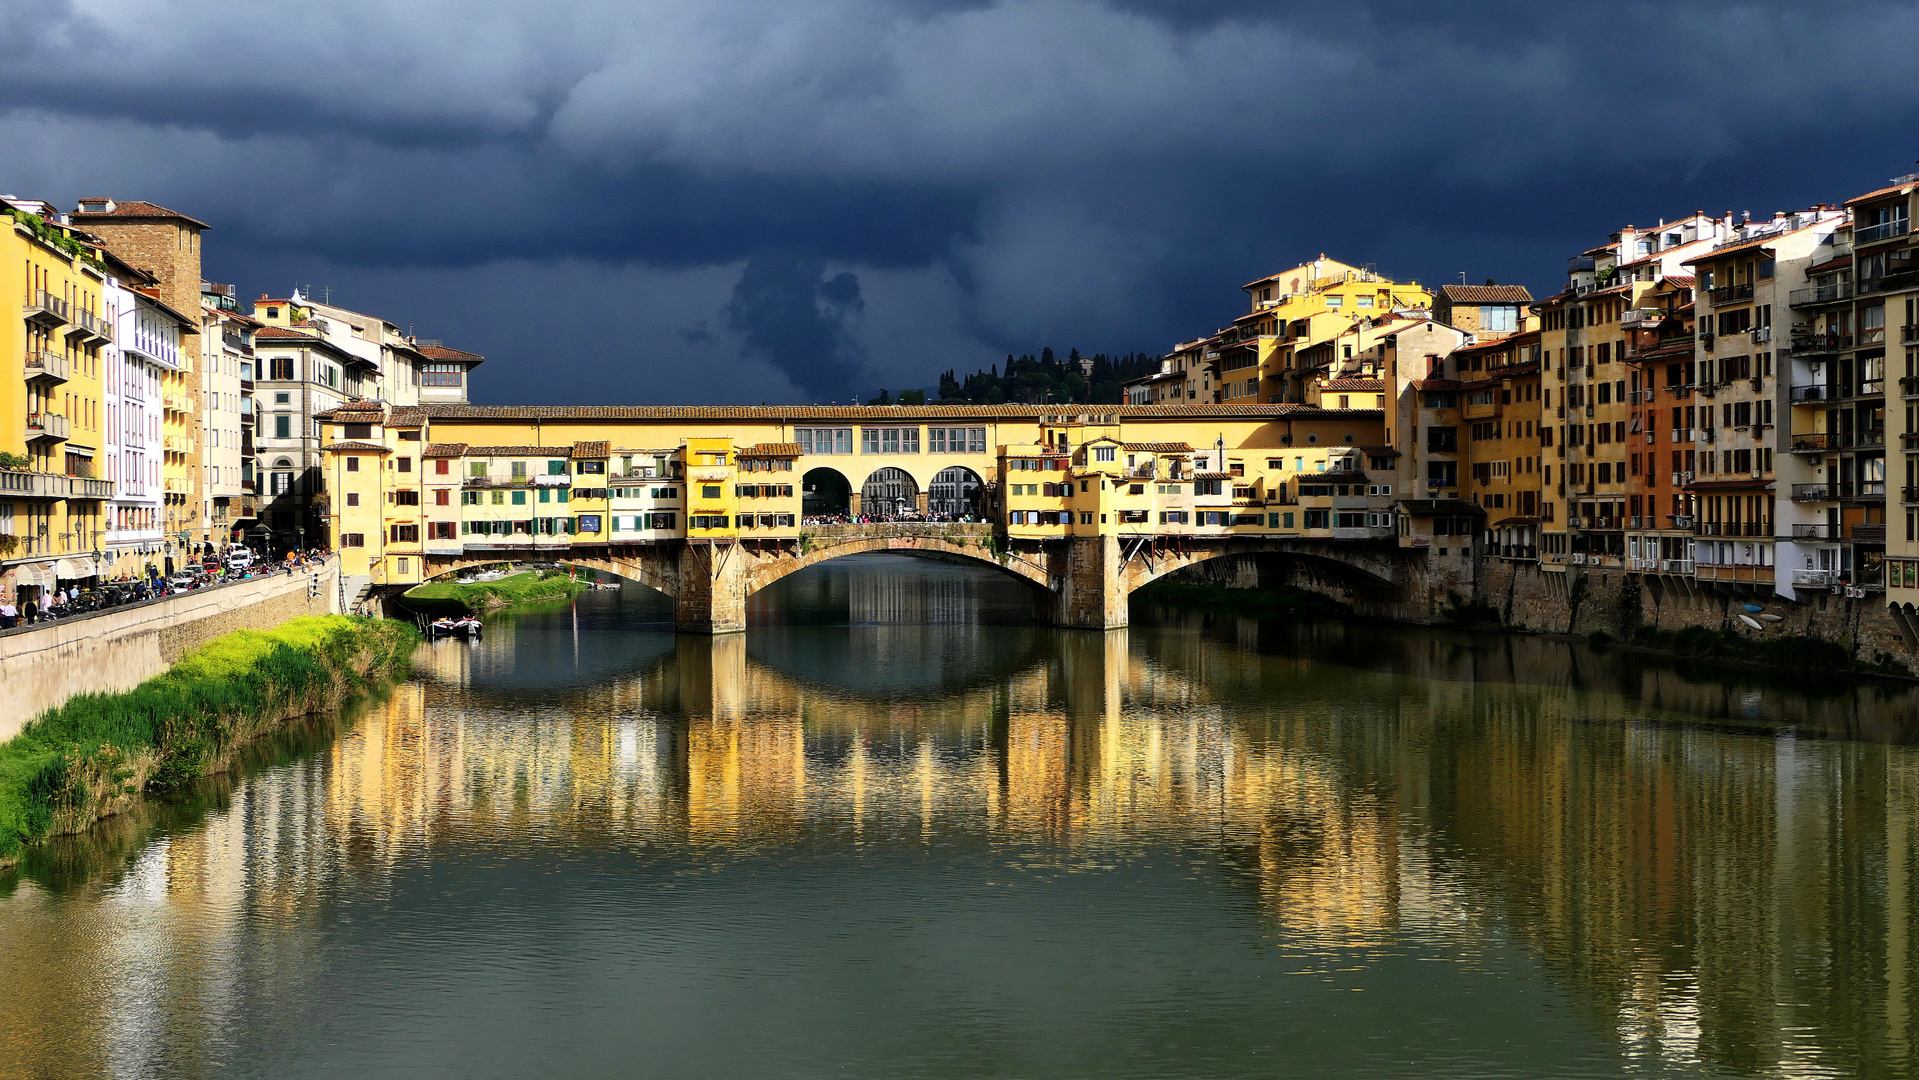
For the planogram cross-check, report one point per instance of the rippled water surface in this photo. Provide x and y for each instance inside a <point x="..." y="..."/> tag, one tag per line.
<point x="895" y="830"/>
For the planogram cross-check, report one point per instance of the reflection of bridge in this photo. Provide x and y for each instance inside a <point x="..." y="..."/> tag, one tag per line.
<point x="1080" y="582"/>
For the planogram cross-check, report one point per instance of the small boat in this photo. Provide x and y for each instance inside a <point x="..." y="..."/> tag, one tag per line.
<point x="1770" y="617"/>
<point x="1752" y="622"/>
<point x="465" y="627"/>
<point x="1752" y="609"/>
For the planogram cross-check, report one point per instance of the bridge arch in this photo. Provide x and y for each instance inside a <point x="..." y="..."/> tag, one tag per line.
<point x="889" y="491"/>
<point x="1380" y="572"/>
<point x="766" y="572"/>
<point x="957" y="491"/>
<point x="825" y="492"/>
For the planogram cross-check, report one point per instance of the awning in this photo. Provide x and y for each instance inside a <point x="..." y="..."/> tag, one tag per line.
<point x="40" y="574"/>
<point x="74" y="569"/>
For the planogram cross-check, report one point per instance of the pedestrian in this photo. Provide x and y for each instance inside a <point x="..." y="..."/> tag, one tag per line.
<point x="31" y="611"/>
<point x="9" y="615"/>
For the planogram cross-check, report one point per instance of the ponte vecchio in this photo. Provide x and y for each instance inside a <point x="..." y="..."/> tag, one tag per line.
<point x="711" y="504"/>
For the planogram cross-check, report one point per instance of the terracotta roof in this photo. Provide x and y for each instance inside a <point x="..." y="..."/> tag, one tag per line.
<point x="1493" y="376"/>
<point x="1746" y="484"/>
<point x="1214" y="476"/>
<point x="283" y="333"/>
<point x="1744" y="245"/>
<point x="1684" y="281"/>
<point x="1487" y="294"/>
<point x="591" y="449"/>
<point x="443" y="449"/>
<point x="771" y="450"/>
<point x="1870" y="195"/>
<point x="1380" y="451"/>
<point x="1429" y="507"/>
<point x="371" y="447"/>
<point x="137" y="209"/>
<point x="353" y="412"/>
<point x="1373" y="385"/>
<point x="878" y="412"/>
<point x="441" y="352"/>
<point x="406" y="416"/>
<point x="1516" y="521"/>
<point x="1160" y="447"/>
<point x="518" y="451"/>
<point x="1437" y="384"/>
<point x="1830" y="264"/>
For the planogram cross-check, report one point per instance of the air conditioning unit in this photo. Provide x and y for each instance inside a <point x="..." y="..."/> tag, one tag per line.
<point x="1688" y="477"/>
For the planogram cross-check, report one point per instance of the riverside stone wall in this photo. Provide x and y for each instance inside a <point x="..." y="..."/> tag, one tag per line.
<point x="117" y="650"/>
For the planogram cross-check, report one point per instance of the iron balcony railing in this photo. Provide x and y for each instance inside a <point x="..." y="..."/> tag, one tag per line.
<point x="1813" y="493"/>
<point x="1820" y="294"/>
<point x="1885" y="230"/>
<point x="1731" y="294"/>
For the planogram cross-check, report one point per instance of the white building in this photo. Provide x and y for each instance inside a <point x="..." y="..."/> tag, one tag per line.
<point x="146" y="345"/>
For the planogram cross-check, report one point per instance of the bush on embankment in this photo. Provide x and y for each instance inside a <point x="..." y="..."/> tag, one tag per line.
<point x="1789" y="653"/>
<point x="87" y="758"/>
<point x="453" y="598"/>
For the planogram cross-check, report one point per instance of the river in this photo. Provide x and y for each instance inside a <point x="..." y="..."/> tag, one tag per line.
<point x="896" y="830"/>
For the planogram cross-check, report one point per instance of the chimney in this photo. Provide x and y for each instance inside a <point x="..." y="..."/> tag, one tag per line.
<point x="97" y="205"/>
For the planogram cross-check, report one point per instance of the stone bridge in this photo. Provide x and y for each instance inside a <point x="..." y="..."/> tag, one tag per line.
<point x="1078" y="581"/>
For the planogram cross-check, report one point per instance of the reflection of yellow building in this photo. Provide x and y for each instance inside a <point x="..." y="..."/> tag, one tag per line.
<point x="1675" y="880"/>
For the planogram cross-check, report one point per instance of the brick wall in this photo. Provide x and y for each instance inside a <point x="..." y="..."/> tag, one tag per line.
<point x="119" y="649"/>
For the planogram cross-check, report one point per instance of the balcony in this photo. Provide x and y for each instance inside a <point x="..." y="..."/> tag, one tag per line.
<point x="1909" y="335"/>
<point x="1817" y="579"/>
<point x="1817" y="442"/>
<point x="1817" y="392"/>
<point x="1679" y="393"/>
<point x="1885" y="230"/>
<point x="50" y="366"/>
<point x="1870" y="534"/>
<point x="86" y="487"/>
<point x="1867" y="439"/>
<point x="46" y="426"/>
<point x="1733" y="572"/>
<point x="1820" y="294"/>
<point x="34" y="485"/>
<point x="45" y="308"/>
<point x="1872" y="335"/>
<point x="1863" y="491"/>
<point x="179" y="444"/>
<point x="88" y="325"/>
<point x="1815" y="532"/>
<point x="1819" y="345"/>
<point x="1675" y="566"/>
<point x="173" y="402"/>
<point x="1731" y="294"/>
<point x="1813" y="493"/>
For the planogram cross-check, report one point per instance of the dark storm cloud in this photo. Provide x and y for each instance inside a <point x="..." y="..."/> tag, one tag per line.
<point x="997" y="175"/>
<point x="789" y="312"/>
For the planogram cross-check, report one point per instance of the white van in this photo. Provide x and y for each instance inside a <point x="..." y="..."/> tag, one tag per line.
<point x="239" y="558"/>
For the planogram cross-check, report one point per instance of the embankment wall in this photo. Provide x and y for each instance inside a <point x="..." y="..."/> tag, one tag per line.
<point x="44" y="665"/>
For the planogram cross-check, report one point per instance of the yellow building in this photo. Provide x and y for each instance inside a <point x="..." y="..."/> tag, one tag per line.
<point x="53" y="416"/>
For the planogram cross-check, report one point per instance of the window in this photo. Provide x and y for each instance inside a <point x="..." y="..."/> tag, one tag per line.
<point x="442" y="467"/>
<point x="1104" y="453"/>
<point x="589" y="523"/>
<point x="519" y="498"/>
<point x="280" y="367"/>
<point x="441" y="374"/>
<point x="405" y="534"/>
<point x="890" y="440"/>
<point x="710" y="491"/>
<point x="353" y="498"/>
<point x="405" y="464"/>
<point x="359" y="431"/>
<point x="406" y="498"/>
<point x="353" y="464"/>
<point x="282" y="426"/>
<point x="348" y="540"/>
<point x="957" y="440"/>
<point x="586" y="468"/>
<point x="442" y="497"/>
<point x="476" y="468"/>
<point x="824" y="440"/>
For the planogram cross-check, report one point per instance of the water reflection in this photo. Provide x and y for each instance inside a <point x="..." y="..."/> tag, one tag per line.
<point x="1527" y="858"/>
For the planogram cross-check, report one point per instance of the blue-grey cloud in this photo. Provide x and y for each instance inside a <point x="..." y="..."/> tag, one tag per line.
<point x="790" y="313"/>
<point x="1091" y="172"/>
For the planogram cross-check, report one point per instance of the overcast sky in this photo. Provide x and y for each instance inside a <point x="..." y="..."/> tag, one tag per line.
<point x="762" y="200"/>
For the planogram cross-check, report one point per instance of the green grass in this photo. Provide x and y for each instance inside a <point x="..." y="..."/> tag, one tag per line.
<point x="449" y="597"/>
<point x="181" y="724"/>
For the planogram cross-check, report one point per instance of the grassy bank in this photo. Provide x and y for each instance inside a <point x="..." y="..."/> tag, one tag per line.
<point x="90" y="757"/>
<point x="1286" y="601"/>
<point x="452" y="598"/>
